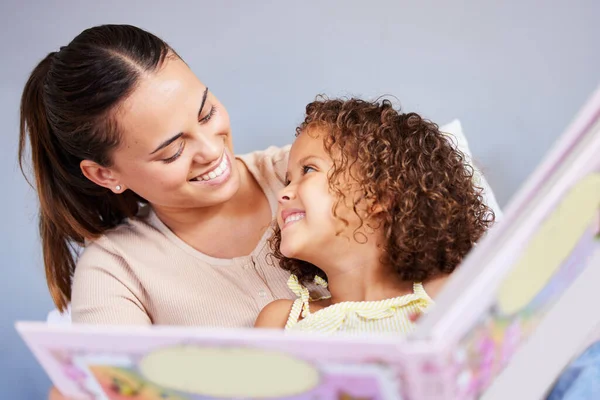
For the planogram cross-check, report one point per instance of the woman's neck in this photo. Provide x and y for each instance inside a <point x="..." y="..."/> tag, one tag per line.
<point x="228" y="230"/>
<point x="184" y="219"/>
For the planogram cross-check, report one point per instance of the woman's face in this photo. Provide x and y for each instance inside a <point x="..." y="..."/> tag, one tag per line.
<point x="176" y="149"/>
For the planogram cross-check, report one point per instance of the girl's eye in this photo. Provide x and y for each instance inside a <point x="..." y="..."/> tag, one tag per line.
<point x="176" y="155"/>
<point x="306" y="169"/>
<point x="208" y="116"/>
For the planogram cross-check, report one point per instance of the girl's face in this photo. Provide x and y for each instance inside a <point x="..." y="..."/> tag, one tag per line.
<point x="309" y="229"/>
<point x="176" y="149"/>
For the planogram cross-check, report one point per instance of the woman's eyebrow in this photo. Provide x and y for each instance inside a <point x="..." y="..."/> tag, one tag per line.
<point x="178" y="135"/>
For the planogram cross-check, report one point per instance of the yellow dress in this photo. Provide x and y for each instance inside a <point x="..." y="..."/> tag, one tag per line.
<point x="391" y="316"/>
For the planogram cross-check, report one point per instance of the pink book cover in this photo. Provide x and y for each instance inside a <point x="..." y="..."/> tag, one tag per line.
<point x="490" y="308"/>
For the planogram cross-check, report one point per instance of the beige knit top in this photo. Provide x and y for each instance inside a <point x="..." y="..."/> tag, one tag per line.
<point x="142" y="273"/>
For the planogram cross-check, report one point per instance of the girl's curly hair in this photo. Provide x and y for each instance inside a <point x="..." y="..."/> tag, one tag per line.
<point x="432" y="211"/>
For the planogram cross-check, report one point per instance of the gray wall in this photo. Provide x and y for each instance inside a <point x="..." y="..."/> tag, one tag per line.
<point x="514" y="72"/>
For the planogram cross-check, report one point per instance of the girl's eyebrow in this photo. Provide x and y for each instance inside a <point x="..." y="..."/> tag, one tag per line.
<point x="303" y="161"/>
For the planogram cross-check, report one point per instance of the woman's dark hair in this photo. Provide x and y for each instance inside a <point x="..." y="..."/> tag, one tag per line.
<point x="432" y="211"/>
<point x="68" y="111"/>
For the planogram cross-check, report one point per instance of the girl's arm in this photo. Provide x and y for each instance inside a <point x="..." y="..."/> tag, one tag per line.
<point x="274" y="315"/>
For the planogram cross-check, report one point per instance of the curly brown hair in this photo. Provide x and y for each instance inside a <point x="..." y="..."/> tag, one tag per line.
<point x="432" y="213"/>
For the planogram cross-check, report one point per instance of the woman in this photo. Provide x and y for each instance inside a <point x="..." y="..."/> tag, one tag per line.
<point x="117" y="120"/>
<point x="133" y="160"/>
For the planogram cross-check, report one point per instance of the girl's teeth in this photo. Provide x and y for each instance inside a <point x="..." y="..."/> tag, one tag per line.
<point x="294" y="217"/>
<point x="212" y="175"/>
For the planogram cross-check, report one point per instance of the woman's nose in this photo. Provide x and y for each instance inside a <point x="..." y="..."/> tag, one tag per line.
<point x="208" y="149"/>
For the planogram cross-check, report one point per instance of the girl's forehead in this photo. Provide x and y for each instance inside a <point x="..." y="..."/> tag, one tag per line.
<point x="308" y="142"/>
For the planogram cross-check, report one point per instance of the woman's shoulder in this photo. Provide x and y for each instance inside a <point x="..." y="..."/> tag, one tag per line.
<point x="131" y="233"/>
<point x="274" y="153"/>
<point x="269" y="164"/>
<point x="108" y="281"/>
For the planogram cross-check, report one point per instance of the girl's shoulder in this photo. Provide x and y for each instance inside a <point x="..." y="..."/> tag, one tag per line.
<point x="275" y="314"/>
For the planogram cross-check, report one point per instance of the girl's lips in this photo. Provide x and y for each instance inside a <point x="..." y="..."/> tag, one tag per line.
<point x="290" y="216"/>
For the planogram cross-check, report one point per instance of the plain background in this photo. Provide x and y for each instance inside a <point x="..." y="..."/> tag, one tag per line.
<point x="515" y="72"/>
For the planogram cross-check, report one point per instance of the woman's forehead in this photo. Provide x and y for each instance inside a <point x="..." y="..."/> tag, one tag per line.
<point x="160" y="103"/>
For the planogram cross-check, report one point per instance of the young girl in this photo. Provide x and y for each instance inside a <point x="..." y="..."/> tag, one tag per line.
<point x="382" y="244"/>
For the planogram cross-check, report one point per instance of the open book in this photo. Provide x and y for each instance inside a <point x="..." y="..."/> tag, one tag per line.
<point x="509" y="320"/>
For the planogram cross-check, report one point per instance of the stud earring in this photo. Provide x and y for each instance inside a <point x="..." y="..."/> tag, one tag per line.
<point x="118" y="187"/>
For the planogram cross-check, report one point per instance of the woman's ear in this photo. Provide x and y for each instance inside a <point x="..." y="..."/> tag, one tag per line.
<point x="101" y="176"/>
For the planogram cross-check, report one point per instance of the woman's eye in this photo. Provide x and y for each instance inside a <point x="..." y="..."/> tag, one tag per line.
<point x="208" y="116"/>
<point x="174" y="156"/>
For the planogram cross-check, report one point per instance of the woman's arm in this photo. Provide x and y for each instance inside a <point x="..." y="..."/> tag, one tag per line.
<point x="55" y="395"/>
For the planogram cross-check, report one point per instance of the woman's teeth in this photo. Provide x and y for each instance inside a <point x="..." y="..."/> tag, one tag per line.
<point x="294" y="217"/>
<point x="220" y="170"/>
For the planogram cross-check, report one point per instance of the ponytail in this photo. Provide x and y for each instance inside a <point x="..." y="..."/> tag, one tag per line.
<point x="66" y="116"/>
<point x="58" y="260"/>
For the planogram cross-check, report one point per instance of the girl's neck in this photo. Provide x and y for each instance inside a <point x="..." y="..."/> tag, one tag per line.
<point x="359" y="275"/>
<point x="367" y="286"/>
<point x="363" y="283"/>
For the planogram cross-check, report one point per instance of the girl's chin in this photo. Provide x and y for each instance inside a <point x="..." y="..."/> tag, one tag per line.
<point x="289" y="251"/>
